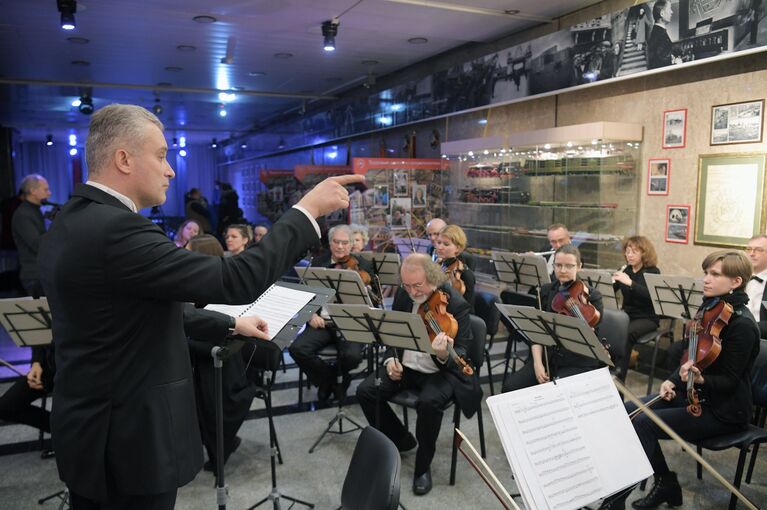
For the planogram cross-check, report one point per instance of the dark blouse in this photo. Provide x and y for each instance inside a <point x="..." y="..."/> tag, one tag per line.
<point x="637" y="302"/>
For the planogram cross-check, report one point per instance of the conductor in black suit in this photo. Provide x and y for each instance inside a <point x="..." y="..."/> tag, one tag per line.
<point x="124" y="421"/>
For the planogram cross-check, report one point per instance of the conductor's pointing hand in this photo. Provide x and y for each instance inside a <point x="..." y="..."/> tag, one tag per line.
<point x="329" y="195"/>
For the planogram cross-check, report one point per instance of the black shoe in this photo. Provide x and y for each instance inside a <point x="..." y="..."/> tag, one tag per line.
<point x="323" y="391"/>
<point x="422" y="484"/>
<point x="408" y="444"/>
<point x="666" y="489"/>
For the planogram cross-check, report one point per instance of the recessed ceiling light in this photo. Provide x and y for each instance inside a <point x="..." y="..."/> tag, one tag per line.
<point x="186" y="47"/>
<point x="81" y="63"/>
<point x="164" y="84"/>
<point x="370" y="62"/>
<point x="256" y="73"/>
<point x="205" y="19"/>
<point x="174" y="69"/>
<point x="418" y="40"/>
<point x="78" y="40"/>
<point x="283" y="55"/>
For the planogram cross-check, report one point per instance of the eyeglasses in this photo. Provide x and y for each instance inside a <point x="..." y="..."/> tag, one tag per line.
<point x="567" y="267"/>
<point x="414" y="286"/>
<point x="758" y="251"/>
<point x="340" y="242"/>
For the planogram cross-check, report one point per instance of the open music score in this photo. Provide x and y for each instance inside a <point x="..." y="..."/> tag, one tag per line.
<point x="569" y="444"/>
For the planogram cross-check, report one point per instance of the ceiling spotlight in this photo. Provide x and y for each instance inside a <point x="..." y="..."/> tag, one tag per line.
<point x="182" y="153"/>
<point x="49" y="140"/>
<point x="157" y="108"/>
<point x="175" y="142"/>
<point x="73" y="151"/>
<point x="221" y="110"/>
<point x="67" y="8"/>
<point x="86" y="101"/>
<point x="213" y="144"/>
<point x="281" y="144"/>
<point x="243" y="145"/>
<point x="329" y="32"/>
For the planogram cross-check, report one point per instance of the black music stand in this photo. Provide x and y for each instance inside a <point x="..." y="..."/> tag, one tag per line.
<point x="381" y="328"/>
<point x="407" y="245"/>
<point x="554" y="330"/>
<point x="385" y="265"/>
<point x="678" y="297"/>
<point x="602" y="280"/>
<point x="282" y="338"/>
<point x="518" y="269"/>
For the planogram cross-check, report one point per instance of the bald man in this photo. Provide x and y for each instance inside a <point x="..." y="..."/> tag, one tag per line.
<point x="433" y="228"/>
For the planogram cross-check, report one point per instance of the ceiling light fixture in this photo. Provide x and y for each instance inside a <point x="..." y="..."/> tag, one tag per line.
<point x="281" y="144"/>
<point x="221" y="110"/>
<point x="418" y="40"/>
<point x="86" y="101"/>
<point x="157" y="108"/>
<point x="329" y="32"/>
<point x="204" y="19"/>
<point x="175" y="142"/>
<point x="67" y="8"/>
<point x="48" y="140"/>
<point x="213" y="144"/>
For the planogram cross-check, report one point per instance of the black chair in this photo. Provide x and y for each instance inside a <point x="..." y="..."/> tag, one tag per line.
<point x="655" y="336"/>
<point x="614" y="329"/>
<point x="372" y="480"/>
<point x="753" y="435"/>
<point x="484" y="307"/>
<point x="759" y="395"/>
<point x="409" y="398"/>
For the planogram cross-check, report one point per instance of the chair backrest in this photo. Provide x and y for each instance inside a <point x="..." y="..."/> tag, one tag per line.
<point x="759" y="376"/>
<point x="479" y="332"/>
<point x="614" y="328"/>
<point x="372" y="481"/>
<point x="484" y="306"/>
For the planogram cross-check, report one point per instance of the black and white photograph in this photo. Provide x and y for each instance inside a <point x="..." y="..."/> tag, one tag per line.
<point x="737" y="123"/>
<point x="677" y="224"/>
<point x="675" y="129"/>
<point x="401" y="183"/>
<point x="658" y="176"/>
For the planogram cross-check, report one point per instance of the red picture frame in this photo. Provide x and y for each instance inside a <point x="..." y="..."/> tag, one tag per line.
<point x="658" y="176"/>
<point x="678" y="223"/>
<point x="673" y="122"/>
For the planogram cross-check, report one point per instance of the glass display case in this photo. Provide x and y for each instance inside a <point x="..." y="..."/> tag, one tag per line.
<point x="505" y="191"/>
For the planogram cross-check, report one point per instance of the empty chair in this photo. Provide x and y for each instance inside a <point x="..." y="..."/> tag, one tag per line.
<point x="372" y="481"/>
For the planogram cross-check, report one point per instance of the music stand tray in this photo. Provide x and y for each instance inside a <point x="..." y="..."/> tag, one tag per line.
<point x="678" y="297"/>
<point x="601" y="280"/>
<point x="346" y="283"/>
<point x="385" y="265"/>
<point x="515" y="269"/>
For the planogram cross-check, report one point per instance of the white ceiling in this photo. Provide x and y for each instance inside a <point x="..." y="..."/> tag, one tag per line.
<point x="132" y="42"/>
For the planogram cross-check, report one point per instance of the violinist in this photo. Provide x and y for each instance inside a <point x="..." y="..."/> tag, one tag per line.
<point x="567" y="263"/>
<point x="637" y="303"/>
<point x="723" y="388"/>
<point x="449" y="247"/>
<point x="439" y="378"/>
<point x="317" y="336"/>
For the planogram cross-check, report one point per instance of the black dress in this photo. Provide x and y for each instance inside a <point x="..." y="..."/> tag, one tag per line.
<point x="658" y="48"/>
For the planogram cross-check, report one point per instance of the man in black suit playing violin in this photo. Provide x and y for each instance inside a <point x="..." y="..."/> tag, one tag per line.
<point x="438" y="378"/>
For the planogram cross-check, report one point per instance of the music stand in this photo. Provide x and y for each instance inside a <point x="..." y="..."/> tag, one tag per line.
<point x="554" y="330"/>
<point x="373" y="326"/>
<point x="602" y="280"/>
<point x="678" y="297"/>
<point x="515" y="269"/>
<point x="407" y="245"/>
<point x="483" y="470"/>
<point x="385" y="265"/>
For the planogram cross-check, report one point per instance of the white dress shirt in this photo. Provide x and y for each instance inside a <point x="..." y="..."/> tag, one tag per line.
<point x="755" y="290"/>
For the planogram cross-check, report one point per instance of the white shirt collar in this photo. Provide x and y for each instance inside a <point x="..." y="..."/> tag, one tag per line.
<point x="119" y="196"/>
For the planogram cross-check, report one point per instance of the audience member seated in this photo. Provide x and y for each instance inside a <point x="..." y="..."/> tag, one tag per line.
<point x="359" y="238"/>
<point x="237" y="238"/>
<point x="186" y="231"/>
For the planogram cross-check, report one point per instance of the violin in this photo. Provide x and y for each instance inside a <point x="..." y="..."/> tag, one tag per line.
<point x="352" y="263"/>
<point x="574" y="301"/>
<point x="454" y="271"/>
<point x="704" y="344"/>
<point x="437" y="319"/>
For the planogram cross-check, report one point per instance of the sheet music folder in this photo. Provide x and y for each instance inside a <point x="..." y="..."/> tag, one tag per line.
<point x="569" y="444"/>
<point x="27" y="320"/>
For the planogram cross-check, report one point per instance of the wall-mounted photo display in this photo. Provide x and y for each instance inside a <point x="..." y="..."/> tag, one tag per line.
<point x="675" y="129"/>
<point x="400" y="213"/>
<point x="730" y="205"/>
<point x="678" y="224"/>
<point x="419" y="196"/>
<point x="737" y="122"/>
<point x="382" y="196"/>
<point x="658" y="176"/>
<point x="401" y="183"/>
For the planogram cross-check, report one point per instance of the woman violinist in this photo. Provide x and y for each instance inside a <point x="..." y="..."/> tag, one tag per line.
<point x="449" y="248"/>
<point x="723" y="388"/>
<point x="567" y="263"/>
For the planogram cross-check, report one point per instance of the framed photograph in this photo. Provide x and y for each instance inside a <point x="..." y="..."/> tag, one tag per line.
<point x="730" y="201"/>
<point x="658" y="176"/>
<point x="382" y="196"/>
<point x="737" y="122"/>
<point x="419" y="196"/>
<point x="675" y="129"/>
<point x="401" y="209"/>
<point x="678" y="224"/>
<point x="401" y="183"/>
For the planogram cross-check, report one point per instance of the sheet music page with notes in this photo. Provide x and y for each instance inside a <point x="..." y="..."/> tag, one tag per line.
<point x="277" y="305"/>
<point x="571" y="443"/>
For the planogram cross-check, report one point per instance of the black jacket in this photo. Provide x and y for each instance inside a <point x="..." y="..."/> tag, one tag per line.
<point x="637" y="302"/>
<point x="726" y="390"/>
<point x="28" y="226"/>
<point x="124" y="415"/>
<point x="468" y="393"/>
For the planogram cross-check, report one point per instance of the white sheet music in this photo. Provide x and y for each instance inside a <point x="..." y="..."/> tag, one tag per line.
<point x="569" y="444"/>
<point x="276" y="306"/>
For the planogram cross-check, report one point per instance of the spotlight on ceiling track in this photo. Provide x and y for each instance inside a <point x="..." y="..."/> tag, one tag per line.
<point x="86" y="101"/>
<point x="67" y="8"/>
<point x="329" y="32"/>
<point x="157" y="108"/>
<point x="213" y="144"/>
<point x="48" y="140"/>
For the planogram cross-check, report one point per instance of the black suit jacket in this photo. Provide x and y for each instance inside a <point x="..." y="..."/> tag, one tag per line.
<point x="762" y="322"/>
<point x="124" y="418"/>
<point x="467" y="391"/>
<point x="28" y="226"/>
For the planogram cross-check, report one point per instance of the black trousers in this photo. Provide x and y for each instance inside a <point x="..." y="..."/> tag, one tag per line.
<point x="16" y="406"/>
<point x="304" y="351"/>
<point x="164" y="501"/>
<point x="435" y="392"/>
<point x="525" y="376"/>
<point x="675" y="414"/>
